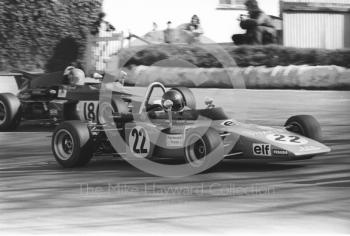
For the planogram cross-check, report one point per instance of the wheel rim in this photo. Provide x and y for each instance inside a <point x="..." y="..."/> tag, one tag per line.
<point x="105" y="112"/>
<point x="63" y="144"/>
<point x="196" y="150"/>
<point x="296" y="128"/>
<point x="2" y="113"/>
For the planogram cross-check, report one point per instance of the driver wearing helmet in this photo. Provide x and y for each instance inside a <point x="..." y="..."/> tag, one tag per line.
<point x="74" y="76"/>
<point x="177" y="99"/>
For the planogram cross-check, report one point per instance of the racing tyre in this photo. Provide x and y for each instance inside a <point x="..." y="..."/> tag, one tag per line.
<point x="305" y="125"/>
<point x="202" y="150"/>
<point x="10" y="114"/>
<point x="187" y="94"/>
<point x="71" y="144"/>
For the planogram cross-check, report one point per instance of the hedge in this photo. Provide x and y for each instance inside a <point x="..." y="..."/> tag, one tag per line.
<point x="269" y="56"/>
<point x="46" y="34"/>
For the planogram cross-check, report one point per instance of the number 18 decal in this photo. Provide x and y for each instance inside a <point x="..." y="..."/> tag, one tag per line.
<point x="139" y="142"/>
<point x="287" y="139"/>
<point x="87" y="110"/>
<point x="90" y="111"/>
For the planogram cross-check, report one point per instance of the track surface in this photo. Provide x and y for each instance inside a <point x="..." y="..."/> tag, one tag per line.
<point x="109" y="195"/>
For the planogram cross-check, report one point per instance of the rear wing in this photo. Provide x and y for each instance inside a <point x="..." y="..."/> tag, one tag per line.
<point x="27" y="74"/>
<point x="42" y="80"/>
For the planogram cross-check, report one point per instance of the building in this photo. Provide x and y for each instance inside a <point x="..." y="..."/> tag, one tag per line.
<point x="316" y="23"/>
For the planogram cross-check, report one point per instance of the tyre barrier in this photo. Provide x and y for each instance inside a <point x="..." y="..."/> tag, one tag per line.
<point x="260" y="77"/>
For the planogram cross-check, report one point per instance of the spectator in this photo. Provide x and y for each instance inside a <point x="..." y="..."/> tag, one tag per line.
<point x="169" y="33"/>
<point x="194" y="29"/>
<point x="155" y="35"/>
<point x="154" y="26"/>
<point x="259" y="26"/>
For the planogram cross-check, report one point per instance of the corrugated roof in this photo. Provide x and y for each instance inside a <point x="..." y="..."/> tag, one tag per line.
<point x="320" y="1"/>
<point x="328" y="6"/>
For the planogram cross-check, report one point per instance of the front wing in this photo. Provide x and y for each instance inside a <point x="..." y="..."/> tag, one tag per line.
<point x="261" y="142"/>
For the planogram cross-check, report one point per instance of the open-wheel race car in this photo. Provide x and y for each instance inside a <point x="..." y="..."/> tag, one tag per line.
<point x="173" y="127"/>
<point x="52" y="98"/>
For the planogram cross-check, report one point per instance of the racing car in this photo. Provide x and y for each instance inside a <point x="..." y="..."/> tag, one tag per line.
<point x="54" y="97"/>
<point x="173" y="127"/>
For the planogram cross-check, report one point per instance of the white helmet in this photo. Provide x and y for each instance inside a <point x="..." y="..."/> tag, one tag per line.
<point x="75" y="76"/>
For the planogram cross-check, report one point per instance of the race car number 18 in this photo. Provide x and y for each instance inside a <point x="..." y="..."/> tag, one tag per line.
<point x="89" y="111"/>
<point x="139" y="142"/>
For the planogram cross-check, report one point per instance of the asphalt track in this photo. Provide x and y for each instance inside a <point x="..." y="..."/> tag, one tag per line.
<point x="109" y="195"/>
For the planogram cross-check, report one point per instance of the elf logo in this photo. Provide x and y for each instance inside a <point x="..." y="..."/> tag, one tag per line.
<point x="261" y="149"/>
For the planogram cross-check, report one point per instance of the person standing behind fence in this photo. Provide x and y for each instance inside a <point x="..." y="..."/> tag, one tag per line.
<point x="169" y="33"/>
<point x="194" y="29"/>
<point x="154" y="27"/>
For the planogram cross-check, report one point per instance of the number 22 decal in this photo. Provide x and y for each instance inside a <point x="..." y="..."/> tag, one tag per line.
<point x="139" y="134"/>
<point x="287" y="139"/>
<point x="139" y="142"/>
<point x="292" y="139"/>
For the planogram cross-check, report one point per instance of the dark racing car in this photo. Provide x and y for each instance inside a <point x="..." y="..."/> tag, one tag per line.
<point x="173" y="127"/>
<point x="53" y="98"/>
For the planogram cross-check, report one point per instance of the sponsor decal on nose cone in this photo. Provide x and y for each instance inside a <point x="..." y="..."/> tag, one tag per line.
<point x="229" y="123"/>
<point x="280" y="152"/>
<point x="261" y="149"/>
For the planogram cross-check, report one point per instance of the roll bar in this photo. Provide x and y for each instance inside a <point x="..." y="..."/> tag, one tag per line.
<point x="149" y="93"/>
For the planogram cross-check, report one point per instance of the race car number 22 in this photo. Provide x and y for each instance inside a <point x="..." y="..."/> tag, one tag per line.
<point x="139" y="142"/>
<point x="287" y="139"/>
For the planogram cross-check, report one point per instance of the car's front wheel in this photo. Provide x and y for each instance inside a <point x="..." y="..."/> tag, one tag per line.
<point x="71" y="144"/>
<point x="305" y="125"/>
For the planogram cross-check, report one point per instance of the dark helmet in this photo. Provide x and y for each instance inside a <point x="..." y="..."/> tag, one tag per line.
<point x="195" y="20"/>
<point x="252" y="5"/>
<point x="177" y="99"/>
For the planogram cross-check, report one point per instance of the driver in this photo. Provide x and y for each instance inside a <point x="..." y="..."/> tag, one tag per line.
<point x="176" y="98"/>
<point x="74" y="76"/>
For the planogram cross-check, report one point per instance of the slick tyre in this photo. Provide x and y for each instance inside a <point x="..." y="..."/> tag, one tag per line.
<point x="305" y="125"/>
<point x="10" y="112"/>
<point x="190" y="100"/>
<point x="71" y="144"/>
<point x="200" y="148"/>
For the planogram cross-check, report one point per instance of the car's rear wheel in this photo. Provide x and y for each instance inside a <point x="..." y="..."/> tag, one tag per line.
<point x="305" y="125"/>
<point x="10" y="114"/>
<point x="71" y="144"/>
<point x="200" y="146"/>
<point x="188" y="96"/>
